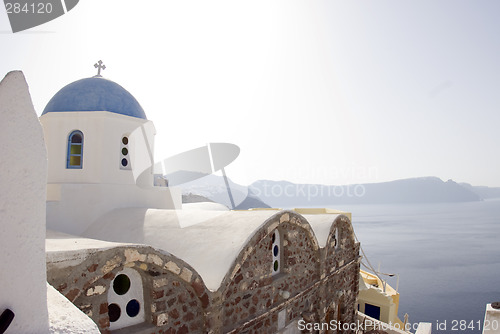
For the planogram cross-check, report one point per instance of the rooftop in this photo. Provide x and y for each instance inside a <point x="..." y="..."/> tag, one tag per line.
<point x="210" y="241"/>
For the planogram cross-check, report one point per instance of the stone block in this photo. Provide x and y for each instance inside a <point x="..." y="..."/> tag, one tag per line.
<point x="173" y="267"/>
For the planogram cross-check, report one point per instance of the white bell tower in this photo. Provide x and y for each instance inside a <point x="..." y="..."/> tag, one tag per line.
<point x="100" y="149"/>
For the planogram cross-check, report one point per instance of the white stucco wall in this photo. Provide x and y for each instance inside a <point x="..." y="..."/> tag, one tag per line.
<point x="424" y="328"/>
<point x="72" y="208"/>
<point x="102" y="134"/>
<point x="23" y="177"/>
<point x="66" y="318"/>
<point x="491" y="324"/>
<point x="375" y="296"/>
<point x="77" y="197"/>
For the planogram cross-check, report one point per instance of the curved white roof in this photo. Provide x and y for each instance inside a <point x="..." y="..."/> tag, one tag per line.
<point x="209" y="241"/>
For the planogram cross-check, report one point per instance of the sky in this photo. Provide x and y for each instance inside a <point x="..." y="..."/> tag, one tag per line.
<point x="332" y="92"/>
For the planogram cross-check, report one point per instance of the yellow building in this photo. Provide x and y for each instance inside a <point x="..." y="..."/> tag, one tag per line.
<point x="378" y="299"/>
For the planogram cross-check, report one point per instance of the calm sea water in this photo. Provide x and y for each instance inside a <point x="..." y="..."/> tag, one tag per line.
<point x="447" y="257"/>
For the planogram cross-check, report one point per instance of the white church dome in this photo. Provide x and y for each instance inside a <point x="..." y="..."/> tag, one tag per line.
<point x="95" y="94"/>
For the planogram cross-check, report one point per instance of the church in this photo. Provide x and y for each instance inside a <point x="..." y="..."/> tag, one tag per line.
<point x="124" y="250"/>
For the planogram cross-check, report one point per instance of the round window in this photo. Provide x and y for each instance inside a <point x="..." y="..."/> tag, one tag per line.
<point x="133" y="308"/>
<point x="114" y="312"/>
<point x="121" y="284"/>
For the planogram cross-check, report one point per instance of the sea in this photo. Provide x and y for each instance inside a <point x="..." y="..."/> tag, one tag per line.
<point x="447" y="257"/>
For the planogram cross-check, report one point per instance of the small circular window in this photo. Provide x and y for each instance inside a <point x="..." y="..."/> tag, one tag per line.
<point x="125" y="140"/>
<point x="114" y="312"/>
<point x="133" y="308"/>
<point x="121" y="284"/>
<point x="124" y="162"/>
<point x="124" y="151"/>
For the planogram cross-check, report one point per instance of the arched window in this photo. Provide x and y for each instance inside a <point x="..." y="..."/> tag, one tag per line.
<point x="276" y="252"/>
<point x="75" y="150"/>
<point x="126" y="300"/>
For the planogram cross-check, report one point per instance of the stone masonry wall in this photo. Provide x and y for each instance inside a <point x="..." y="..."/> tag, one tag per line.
<point x="254" y="291"/>
<point x="341" y="251"/>
<point x="254" y="300"/>
<point x="340" y="263"/>
<point x="174" y="294"/>
<point x="313" y="284"/>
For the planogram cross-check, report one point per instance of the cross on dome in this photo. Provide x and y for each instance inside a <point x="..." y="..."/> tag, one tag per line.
<point x="100" y="66"/>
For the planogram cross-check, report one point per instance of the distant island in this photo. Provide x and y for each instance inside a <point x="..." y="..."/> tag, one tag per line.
<point x="284" y="194"/>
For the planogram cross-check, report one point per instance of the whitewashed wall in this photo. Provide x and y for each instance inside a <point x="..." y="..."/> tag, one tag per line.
<point x="23" y="177"/>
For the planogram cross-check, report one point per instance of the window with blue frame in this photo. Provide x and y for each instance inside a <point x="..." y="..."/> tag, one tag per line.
<point x="75" y="150"/>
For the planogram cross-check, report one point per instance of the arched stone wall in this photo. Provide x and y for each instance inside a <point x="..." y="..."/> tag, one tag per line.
<point x="341" y="247"/>
<point x="175" y="297"/>
<point x="341" y="272"/>
<point x="252" y="297"/>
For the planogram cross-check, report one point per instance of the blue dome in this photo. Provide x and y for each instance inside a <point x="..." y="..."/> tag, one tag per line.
<point x="95" y="94"/>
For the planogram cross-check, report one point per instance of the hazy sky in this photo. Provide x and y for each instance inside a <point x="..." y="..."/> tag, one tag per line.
<point x="332" y="92"/>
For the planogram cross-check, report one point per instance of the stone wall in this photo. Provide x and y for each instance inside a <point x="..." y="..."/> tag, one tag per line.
<point x="253" y="291"/>
<point x="174" y="294"/>
<point x="340" y="267"/>
<point x="341" y="246"/>
<point x="313" y="284"/>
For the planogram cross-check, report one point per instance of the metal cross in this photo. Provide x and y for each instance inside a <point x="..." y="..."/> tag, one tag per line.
<point x="100" y="66"/>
